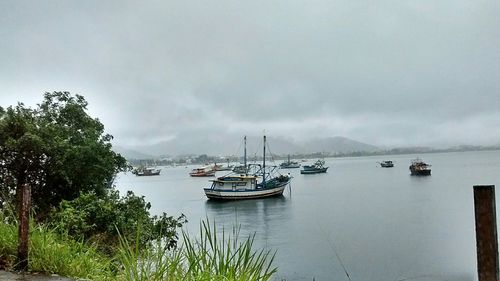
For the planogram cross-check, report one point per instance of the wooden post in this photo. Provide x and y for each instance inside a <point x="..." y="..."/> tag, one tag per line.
<point x="24" y="226"/>
<point x="486" y="232"/>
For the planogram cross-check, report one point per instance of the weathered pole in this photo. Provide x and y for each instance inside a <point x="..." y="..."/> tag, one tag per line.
<point x="486" y="232"/>
<point x="23" y="234"/>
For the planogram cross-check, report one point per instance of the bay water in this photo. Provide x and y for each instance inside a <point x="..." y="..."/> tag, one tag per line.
<point x="358" y="219"/>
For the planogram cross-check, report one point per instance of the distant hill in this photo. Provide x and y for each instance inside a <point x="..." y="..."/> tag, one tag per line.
<point x="131" y="153"/>
<point x="337" y="145"/>
<point x="233" y="145"/>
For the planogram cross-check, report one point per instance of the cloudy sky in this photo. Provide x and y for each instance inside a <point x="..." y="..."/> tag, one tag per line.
<point x="391" y="73"/>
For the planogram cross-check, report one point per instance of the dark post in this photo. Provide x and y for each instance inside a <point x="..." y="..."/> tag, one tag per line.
<point x="486" y="232"/>
<point x="24" y="217"/>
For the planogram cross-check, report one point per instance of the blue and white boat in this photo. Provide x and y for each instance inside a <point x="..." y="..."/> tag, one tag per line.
<point x="264" y="182"/>
<point x="316" y="168"/>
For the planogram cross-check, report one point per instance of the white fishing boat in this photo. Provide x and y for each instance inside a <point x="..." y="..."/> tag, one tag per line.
<point x="263" y="183"/>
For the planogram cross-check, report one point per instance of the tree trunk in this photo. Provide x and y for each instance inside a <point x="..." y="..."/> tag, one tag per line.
<point x="24" y="206"/>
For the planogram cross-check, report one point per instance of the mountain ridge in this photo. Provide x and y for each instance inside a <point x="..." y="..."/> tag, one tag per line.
<point x="278" y="145"/>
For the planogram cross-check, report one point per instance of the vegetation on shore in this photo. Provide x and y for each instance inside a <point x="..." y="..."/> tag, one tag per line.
<point x="80" y="226"/>
<point x="207" y="257"/>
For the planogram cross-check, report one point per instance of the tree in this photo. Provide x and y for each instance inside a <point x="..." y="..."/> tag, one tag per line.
<point x="59" y="157"/>
<point x="58" y="149"/>
<point x="22" y="157"/>
<point x="104" y="219"/>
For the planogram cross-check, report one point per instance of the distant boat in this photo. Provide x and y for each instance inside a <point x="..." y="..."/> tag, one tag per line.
<point x="206" y="171"/>
<point x="146" y="171"/>
<point x="386" y="164"/>
<point x="263" y="183"/>
<point x="419" y="168"/>
<point x="242" y="169"/>
<point x="316" y="168"/>
<point x="289" y="164"/>
<point x="224" y="168"/>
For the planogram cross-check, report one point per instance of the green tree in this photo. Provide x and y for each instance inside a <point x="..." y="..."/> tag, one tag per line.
<point x="58" y="149"/>
<point x="99" y="219"/>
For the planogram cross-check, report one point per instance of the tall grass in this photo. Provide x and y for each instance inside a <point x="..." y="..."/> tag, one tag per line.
<point x="50" y="252"/>
<point x="8" y="244"/>
<point x="154" y="262"/>
<point x="208" y="257"/>
<point x="203" y="258"/>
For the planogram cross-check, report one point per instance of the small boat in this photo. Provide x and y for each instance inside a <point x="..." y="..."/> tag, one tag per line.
<point x="241" y="169"/>
<point x="386" y="164"/>
<point x="419" y="168"/>
<point x="206" y="171"/>
<point x="146" y="171"/>
<point x="263" y="183"/>
<point x="224" y="168"/>
<point x="316" y="168"/>
<point x="289" y="164"/>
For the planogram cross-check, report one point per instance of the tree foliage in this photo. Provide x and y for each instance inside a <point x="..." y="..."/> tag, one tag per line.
<point x="99" y="218"/>
<point x="58" y="149"/>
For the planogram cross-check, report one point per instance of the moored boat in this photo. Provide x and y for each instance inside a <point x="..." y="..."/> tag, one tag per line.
<point x="224" y="168"/>
<point x="261" y="184"/>
<point x="146" y="171"/>
<point x="386" y="164"/>
<point x="206" y="171"/>
<point x="243" y="169"/>
<point x="316" y="168"/>
<point x="289" y="164"/>
<point x="419" y="168"/>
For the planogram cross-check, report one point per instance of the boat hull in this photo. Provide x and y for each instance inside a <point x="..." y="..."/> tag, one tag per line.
<point x="203" y="175"/>
<point x="421" y="173"/>
<point x="147" y="174"/>
<point x="218" y="194"/>
<point x="292" y="166"/>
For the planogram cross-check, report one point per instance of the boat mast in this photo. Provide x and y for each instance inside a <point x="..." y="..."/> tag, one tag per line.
<point x="264" y="162"/>
<point x="245" y="154"/>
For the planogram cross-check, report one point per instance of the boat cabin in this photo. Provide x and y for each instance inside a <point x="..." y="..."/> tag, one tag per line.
<point x="234" y="183"/>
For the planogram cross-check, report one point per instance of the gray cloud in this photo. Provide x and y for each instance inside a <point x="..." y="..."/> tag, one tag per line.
<point x="383" y="72"/>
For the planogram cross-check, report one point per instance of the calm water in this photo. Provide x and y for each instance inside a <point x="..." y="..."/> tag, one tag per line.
<point x="382" y="223"/>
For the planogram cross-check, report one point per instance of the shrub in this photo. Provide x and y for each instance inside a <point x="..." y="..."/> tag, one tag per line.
<point x="97" y="218"/>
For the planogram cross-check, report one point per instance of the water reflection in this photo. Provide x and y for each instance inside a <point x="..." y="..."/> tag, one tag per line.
<point x="260" y="216"/>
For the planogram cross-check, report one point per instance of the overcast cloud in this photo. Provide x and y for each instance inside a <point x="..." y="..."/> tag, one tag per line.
<point x="389" y="73"/>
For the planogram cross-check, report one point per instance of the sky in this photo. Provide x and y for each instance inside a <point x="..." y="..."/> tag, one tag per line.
<point x="387" y="73"/>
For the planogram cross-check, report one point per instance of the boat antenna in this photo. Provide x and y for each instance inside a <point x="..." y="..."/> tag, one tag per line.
<point x="264" y="161"/>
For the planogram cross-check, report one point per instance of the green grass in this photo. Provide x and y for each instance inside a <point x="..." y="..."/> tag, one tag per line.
<point x="50" y="252"/>
<point x="204" y="258"/>
<point x="8" y="244"/>
<point x="207" y="257"/>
